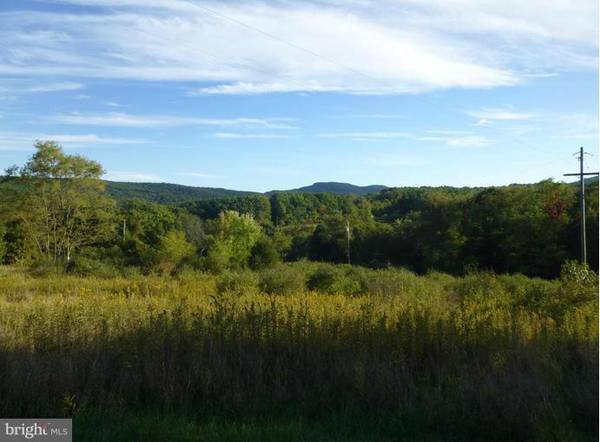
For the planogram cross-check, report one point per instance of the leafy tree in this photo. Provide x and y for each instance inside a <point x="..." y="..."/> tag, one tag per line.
<point x="60" y="201"/>
<point x="233" y="240"/>
<point x="173" y="248"/>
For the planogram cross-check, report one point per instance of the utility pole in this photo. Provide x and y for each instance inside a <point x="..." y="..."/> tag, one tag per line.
<point x="581" y="175"/>
<point x="124" y="229"/>
<point x="348" y="239"/>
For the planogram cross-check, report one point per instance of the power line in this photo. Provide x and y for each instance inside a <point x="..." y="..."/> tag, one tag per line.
<point x="293" y="45"/>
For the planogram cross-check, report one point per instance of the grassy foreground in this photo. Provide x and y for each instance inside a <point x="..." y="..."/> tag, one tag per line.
<point x="199" y="357"/>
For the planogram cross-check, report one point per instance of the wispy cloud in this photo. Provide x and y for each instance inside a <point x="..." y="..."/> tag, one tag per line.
<point x="252" y="47"/>
<point x="89" y="139"/>
<point x="487" y="115"/>
<point x="456" y="138"/>
<point x="366" y="135"/>
<point x="245" y="136"/>
<point x="201" y="175"/>
<point x="373" y="116"/>
<point x="25" y="141"/>
<point x="140" y="177"/>
<point x="128" y="120"/>
<point x="458" y="141"/>
<point x="53" y="87"/>
<point x="10" y="89"/>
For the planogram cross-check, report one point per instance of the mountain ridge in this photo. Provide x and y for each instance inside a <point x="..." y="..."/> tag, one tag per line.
<point x="166" y="193"/>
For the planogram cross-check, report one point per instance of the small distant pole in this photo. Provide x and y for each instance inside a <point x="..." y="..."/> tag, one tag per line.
<point x="124" y="229"/>
<point x="581" y="175"/>
<point x="348" y="239"/>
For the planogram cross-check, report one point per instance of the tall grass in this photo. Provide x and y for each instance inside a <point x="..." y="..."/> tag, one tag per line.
<point x="483" y="356"/>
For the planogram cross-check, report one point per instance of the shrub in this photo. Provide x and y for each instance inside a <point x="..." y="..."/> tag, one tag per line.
<point x="338" y="279"/>
<point x="264" y="254"/>
<point x="573" y="271"/>
<point x="44" y="267"/>
<point x="238" y="282"/>
<point x="282" y="280"/>
<point x="83" y="266"/>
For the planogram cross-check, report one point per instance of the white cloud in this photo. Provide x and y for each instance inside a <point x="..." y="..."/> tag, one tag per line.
<point x="139" y="177"/>
<point x="486" y="116"/>
<point x="458" y="141"/>
<point x="252" y="47"/>
<point x="12" y="89"/>
<point x="239" y="136"/>
<point x="373" y="116"/>
<point x="53" y="87"/>
<point x="25" y="141"/>
<point x="366" y="135"/>
<point x="457" y="138"/>
<point x="89" y="139"/>
<point x="207" y="176"/>
<point x="128" y="120"/>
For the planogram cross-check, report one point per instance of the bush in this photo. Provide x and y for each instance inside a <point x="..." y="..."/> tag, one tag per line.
<point x="83" y="266"/>
<point x="237" y="282"/>
<point x="338" y="279"/>
<point x="573" y="271"/>
<point x="46" y="267"/>
<point x="282" y="280"/>
<point x="264" y="254"/>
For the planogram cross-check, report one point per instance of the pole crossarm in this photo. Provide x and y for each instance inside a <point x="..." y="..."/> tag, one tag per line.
<point x="579" y="174"/>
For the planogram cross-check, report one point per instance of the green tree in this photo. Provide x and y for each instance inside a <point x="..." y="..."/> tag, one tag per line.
<point x="60" y="201"/>
<point x="172" y="249"/>
<point x="233" y="240"/>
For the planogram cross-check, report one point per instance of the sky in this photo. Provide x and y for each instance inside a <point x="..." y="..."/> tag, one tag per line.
<point x="279" y="94"/>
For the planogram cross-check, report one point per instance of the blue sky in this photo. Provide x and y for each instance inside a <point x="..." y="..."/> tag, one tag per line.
<point x="273" y="95"/>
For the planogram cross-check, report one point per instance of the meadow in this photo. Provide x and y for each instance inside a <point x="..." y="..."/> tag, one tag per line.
<point x="303" y="351"/>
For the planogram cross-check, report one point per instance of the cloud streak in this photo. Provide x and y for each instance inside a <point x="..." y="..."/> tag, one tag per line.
<point x="128" y="120"/>
<point x="240" y="136"/>
<point x="138" y="177"/>
<point x="485" y="116"/>
<point x="250" y="47"/>
<point x="25" y="141"/>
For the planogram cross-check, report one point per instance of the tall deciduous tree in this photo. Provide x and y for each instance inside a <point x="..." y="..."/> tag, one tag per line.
<point x="61" y="202"/>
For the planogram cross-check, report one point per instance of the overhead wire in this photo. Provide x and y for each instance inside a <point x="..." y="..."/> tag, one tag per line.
<point x="293" y="45"/>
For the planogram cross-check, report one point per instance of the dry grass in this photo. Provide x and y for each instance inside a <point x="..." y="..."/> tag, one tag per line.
<point x="493" y="357"/>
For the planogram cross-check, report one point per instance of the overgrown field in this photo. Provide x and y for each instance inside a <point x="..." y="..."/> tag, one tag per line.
<point x="312" y="351"/>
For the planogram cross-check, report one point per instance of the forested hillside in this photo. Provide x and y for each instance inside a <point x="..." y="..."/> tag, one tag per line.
<point x="339" y="188"/>
<point x="166" y="193"/>
<point x="529" y="229"/>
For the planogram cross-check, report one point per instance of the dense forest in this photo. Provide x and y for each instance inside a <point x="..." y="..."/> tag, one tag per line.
<point x="56" y="212"/>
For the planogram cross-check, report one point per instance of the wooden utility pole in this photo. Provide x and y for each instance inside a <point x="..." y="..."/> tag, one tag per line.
<point x="581" y="175"/>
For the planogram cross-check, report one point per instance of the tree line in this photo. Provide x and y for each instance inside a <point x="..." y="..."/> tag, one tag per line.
<point x="56" y="212"/>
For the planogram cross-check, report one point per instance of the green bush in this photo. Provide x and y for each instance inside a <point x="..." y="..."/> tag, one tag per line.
<point x="264" y="254"/>
<point x="238" y="282"/>
<point x="282" y="280"/>
<point x="83" y="266"/>
<point x="338" y="279"/>
<point x="43" y="268"/>
<point x="573" y="271"/>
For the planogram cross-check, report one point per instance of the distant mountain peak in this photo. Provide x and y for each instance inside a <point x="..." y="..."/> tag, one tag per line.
<point x="339" y="188"/>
